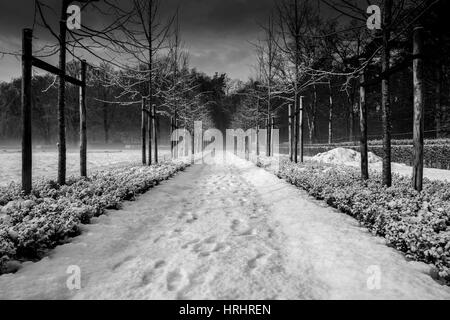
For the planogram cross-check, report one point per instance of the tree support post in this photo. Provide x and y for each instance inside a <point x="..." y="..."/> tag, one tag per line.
<point x="300" y="129"/>
<point x="27" y="56"/>
<point x="290" y="132"/>
<point x="150" y="133"/>
<point x="155" y="132"/>
<point x="144" y="132"/>
<point x="83" y="130"/>
<point x="297" y="127"/>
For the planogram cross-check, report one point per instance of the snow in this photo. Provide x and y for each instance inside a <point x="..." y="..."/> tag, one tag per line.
<point x="45" y="164"/>
<point x="347" y="157"/>
<point x="344" y="156"/>
<point x="224" y="231"/>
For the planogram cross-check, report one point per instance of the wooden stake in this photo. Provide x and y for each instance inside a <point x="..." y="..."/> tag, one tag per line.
<point x="297" y="127"/>
<point x="272" y="128"/>
<point x="257" y="128"/>
<point x="27" y="56"/>
<point x="300" y="129"/>
<point x="269" y="132"/>
<point x="155" y="132"/>
<point x="290" y="132"/>
<point x="83" y="131"/>
<point x="144" y="132"/>
<point x="150" y="133"/>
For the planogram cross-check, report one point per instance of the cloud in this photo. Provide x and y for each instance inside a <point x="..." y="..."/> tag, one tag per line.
<point x="217" y="32"/>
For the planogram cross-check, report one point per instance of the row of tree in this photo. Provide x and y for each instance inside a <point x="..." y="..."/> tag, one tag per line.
<point x="142" y="67"/>
<point x="313" y="57"/>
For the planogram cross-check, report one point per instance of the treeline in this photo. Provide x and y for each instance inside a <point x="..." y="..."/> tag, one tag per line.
<point x="110" y="120"/>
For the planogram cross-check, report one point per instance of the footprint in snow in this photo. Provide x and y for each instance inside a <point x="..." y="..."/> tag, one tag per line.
<point x="253" y="263"/>
<point x="160" y="264"/>
<point x="211" y="239"/>
<point x="193" y="218"/>
<point x="174" y="280"/>
<point x="235" y="225"/>
<point x="187" y="244"/>
<point x="248" y="232"/>
<point x="121" y="263"/>
<point x="220" y="247"/>
<point x="147" y="277"/>
<point x="206" y="247"/>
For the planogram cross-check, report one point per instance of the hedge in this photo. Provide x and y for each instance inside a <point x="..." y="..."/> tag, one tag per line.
<point x="403" y="142"/>
<point x="31" y="225"/>
<point x="417" y="224"/>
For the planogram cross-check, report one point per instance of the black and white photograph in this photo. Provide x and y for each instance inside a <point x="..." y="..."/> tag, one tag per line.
<point x="240" y="152"/>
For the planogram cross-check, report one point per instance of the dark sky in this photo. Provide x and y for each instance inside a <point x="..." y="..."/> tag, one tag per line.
<point x="216" y="32"/>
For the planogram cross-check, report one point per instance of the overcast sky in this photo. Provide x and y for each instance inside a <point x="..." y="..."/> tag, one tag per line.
<point x="216" y="32"/>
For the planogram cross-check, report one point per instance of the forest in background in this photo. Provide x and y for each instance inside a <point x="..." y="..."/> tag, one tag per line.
<point x="108" y="123"/>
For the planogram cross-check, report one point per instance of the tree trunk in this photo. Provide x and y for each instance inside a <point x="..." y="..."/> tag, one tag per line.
<point x="418" y="110"/>
<point x="105" y="109"/>
<point x="175" y="123"/>
<point x="330" y="115"/>
<point x="314" y="115"/>
<point x="351" y="120"/>
<point x="62" y="97"/>
<point x="144" y="132"/>
<point x="351" y="116"/>
<point x="105" y="122"/>
<point x="363" y="126"/>
<point x="150" y="81"/>
<point x="438" y="100"/>
<point x="385" y="93"/>
<point x="297" y="35"/>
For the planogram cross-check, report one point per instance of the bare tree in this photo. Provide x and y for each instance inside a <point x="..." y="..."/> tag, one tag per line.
<point x="298" y="26"/>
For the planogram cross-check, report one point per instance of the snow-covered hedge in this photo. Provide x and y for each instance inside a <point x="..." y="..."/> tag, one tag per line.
<point x="33" y="224"/>
<point x="417" y="224"/>
<point x="403" y="142"/>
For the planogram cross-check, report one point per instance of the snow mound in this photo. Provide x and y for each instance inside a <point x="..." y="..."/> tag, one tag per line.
<point x="343" y="156"/>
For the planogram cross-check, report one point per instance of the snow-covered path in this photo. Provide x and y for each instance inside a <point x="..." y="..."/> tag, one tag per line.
<point x="229" y="231"/>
